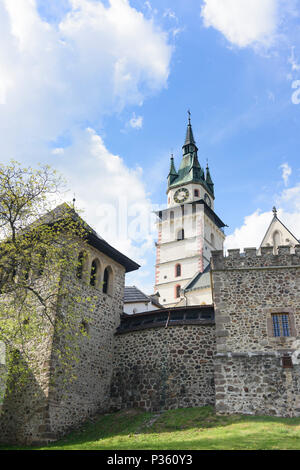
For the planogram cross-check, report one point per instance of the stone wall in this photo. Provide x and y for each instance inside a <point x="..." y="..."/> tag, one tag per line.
<point x="247" y="290"/>
<point x="89" y="392"/>
<point x="50" y="404"/>
<point x="164" y="368"/>
<point x="256" y="384"/>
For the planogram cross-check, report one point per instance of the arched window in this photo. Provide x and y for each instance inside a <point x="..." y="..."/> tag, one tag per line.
<point x="107" y="280"/>
<point x="178" y="270"/>
<point x="276" y="239"/>
<point x="212" y="239"/>
<point x="94" y="272"/>
<point x="177" y="291"/>
<point x="79" y="269"/>
<point x="180" y="234"/>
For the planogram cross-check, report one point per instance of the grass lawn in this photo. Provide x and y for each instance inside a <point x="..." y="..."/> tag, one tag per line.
<point x="183" y="429"/>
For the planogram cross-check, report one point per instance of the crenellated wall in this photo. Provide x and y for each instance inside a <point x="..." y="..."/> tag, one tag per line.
<point x="248" y="289"/>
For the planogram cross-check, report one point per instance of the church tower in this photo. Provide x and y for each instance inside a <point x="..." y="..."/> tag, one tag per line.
<point x="188" y="230"/>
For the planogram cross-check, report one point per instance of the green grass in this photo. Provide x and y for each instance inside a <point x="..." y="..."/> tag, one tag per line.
<point x="183" y="429"/>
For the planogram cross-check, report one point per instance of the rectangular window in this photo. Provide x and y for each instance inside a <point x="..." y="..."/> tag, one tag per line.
<point x="281" y="324"/>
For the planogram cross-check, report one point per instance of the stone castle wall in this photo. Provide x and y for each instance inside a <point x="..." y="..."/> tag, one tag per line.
<point x="51" y="404"/>
<point x="89" y="392"/>
<point x="248" y="289"/>
<point x="164" y="368"/>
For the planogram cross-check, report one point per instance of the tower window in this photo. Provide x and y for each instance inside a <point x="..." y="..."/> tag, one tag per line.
<point x="177" y="291"/>
<point x="281" y="325"/>
<point x="107" y="281"/>
<point x="94" y="272"/>
<point x="178" y="270"/>
<point x="196" y="193"/>
<point x="79" y="270"/>
<point x="180" y="234"/>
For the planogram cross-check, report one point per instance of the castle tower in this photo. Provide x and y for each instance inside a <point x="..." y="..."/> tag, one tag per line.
<point x="188" y="230"/>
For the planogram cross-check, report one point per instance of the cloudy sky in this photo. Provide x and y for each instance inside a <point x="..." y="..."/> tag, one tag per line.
<point x="100" y="89"/>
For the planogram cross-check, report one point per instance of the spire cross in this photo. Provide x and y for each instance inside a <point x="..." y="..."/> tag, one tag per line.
<point x="189" y="114"/>
<point x="275" y="211"/>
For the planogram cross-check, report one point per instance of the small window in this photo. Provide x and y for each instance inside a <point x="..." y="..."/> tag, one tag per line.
<point x="196" y="193"/>
<point x="107" y="281"/>
<point x="178" y="270"/>
<point x="79" y="270"/>
<point x="281" y="325"/>
<point x="177" y="291"/>
<point x="180" y="235"/>
<point x="93" y="273"/>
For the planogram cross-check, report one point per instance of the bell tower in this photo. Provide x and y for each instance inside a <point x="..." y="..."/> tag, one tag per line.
<point x="189" y="229"/>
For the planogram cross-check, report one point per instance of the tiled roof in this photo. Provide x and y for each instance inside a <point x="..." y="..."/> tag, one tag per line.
<point x="200" y="280"/>
<point x="133" y="294"/>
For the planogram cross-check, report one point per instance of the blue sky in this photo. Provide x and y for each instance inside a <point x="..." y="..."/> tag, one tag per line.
<point x="100" y="90"/>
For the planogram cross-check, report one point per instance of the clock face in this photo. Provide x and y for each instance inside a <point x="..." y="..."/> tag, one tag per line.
<point x="181" y="195"/>
<point x="207" y="199"/>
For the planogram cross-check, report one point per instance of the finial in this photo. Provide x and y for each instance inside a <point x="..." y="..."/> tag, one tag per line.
<point x="74" y="200"/>
<point x="207" y="163"/>
<point x="275" y="211"/>
<point x="189" y="114"/>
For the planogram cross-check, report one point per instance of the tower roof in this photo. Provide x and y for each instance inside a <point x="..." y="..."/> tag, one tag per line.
<point x="190" y="170"/>
<point x="189" y="138"/>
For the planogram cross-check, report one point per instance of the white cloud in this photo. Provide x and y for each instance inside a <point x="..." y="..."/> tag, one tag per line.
<point x="286" y="172"/>
<point x="251" y="233"/>
<point x="290" y="199"/>
<point x="96" y="61"/>
<point x="112" y="196"/>
<point x="243" y="22"/>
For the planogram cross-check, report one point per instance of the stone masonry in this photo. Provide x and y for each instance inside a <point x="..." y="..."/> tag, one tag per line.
<point x="251" y="372"/>
<point x="164" y="368"/>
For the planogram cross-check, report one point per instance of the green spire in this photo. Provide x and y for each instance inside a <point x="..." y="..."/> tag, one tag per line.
<point x="172" y="173"/>
<point x="189" y="143"/>
<point x="209" y="181"/>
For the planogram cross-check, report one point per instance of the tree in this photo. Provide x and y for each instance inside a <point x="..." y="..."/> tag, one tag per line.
<point x="38" y="263"/>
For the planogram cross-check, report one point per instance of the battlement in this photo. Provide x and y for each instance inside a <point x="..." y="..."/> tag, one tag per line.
<point x="252" y="258"/>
